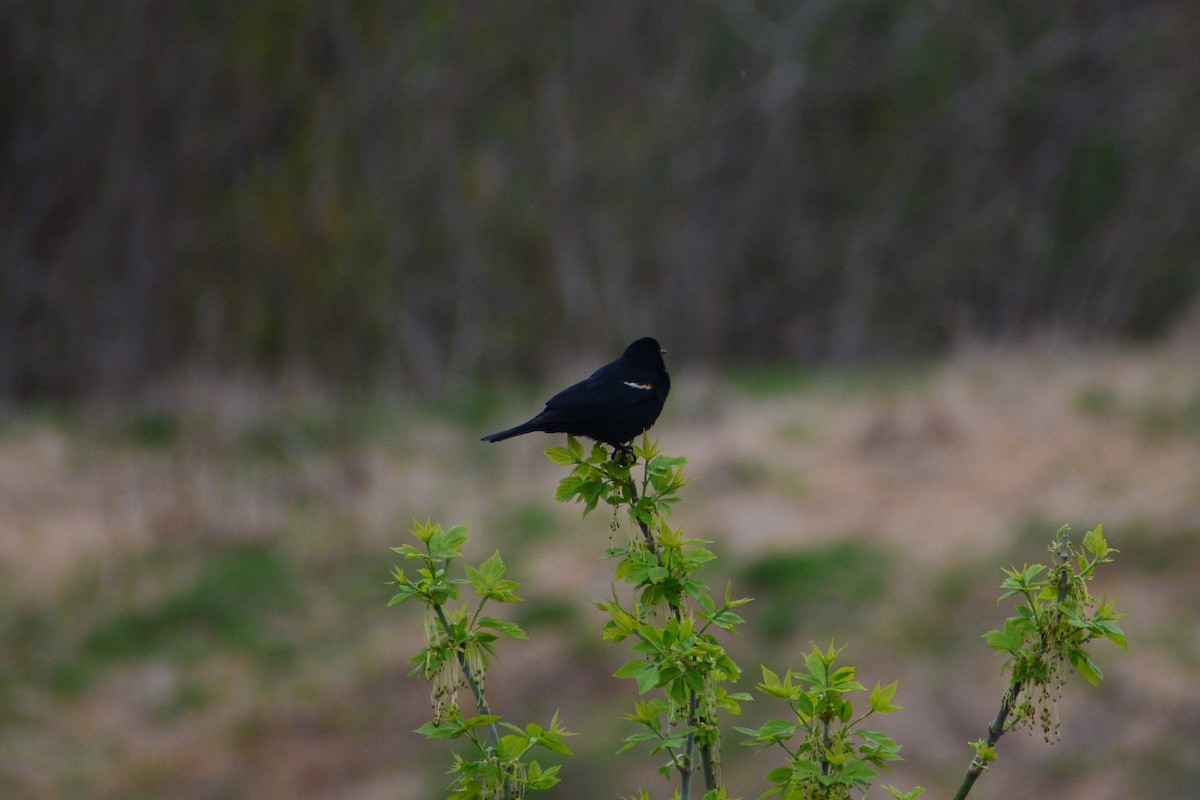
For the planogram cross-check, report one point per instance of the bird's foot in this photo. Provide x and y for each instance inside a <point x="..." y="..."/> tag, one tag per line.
<point x="623" y="455"/>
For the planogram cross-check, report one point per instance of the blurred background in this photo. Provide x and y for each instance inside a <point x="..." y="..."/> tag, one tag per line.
<point x="927" y="277"/>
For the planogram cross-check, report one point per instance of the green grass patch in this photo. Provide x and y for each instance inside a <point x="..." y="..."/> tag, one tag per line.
<point x="292" y="437"/>
<point x="792" y="589"/>
<point x="157" y="430"/>
<point x="1160" y="419"/>
<point x="547" y="611"/>
<point x="225" y="604"/>
<point x="1148" y="548"/>
<point x="528" y="522"/>
<point x="1095" y="399"/>
<point x="471" y="407"/>
<point x="954" y="608"/>
<point x="750" y="472"/>
<point x="232" y="601"/>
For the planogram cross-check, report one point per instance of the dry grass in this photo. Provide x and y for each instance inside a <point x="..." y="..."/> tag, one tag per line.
<point x="942" y="467"/>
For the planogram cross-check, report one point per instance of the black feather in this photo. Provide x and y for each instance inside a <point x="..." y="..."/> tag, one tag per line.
<point x="612" y="405"/>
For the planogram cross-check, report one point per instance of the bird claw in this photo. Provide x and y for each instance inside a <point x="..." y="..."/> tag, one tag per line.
<point x="623" y="455"/>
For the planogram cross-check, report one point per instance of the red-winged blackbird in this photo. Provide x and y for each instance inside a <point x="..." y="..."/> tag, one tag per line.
<point x="612" y="405"/>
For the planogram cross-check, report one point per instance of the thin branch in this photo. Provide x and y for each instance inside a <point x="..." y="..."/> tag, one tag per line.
<point x="476" y="689"/>
<point x="708" y="763"/>
<point x="712" y="769"/>
<point x="651" y="545"/>
<point x="685" y="775"/>
<point x="997" y="728"/>
<point x="995" y="731"/>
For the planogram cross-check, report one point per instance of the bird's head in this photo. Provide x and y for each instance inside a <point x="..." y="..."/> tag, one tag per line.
<point x="647" y="352"/>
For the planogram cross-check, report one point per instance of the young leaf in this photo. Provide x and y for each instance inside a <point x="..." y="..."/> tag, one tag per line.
<point x="1008" y="639"/>
<point x="575" y="447"/>
<point x="507" y="628"/>
<point x="537" y="778"/>
<point x="445" y="730"/>
<point x="881" y="698"/>
<point x="568" y="487"/>
<point x="560" y="455"/>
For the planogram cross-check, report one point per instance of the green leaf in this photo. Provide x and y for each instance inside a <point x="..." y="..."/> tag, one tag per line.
<point x="513" y="746"/>
<point x="677" y="738"/>
<point x="507" y="628"/>
<point x="983" y="751"/>
<point x="568" y="487"/>
<point x="480" y="720"/>
<point x="554" y="744"/>
<point x="406" y="592"/>
<point x="493" y="568"/>
<point x="590" y="492"/>
<point x="1114" y="635"/>
<point x="881" y="698"/>
<point x="478" y="581"/>
<point x="818" y="667"/>
<point x="1032" y="571"/>
<point x="727" y="620"/>
<point x="556" y="734"/>
<point x="879" y="748"/>
<point x="773" y="686"/>
<point x="447" y="544"/>
<point x="856" y="773"/>
<point x="648" y="679"/>
<point x="538" y="779"/>
<point x="408" y="551"/>
<point x="635" y="739"/>
<point x="667" y="462"/>
<point x="560" y="455"/>
<point x="780" y="775"/>
<point x="1095" y="543"/>
<point x="424" y="531"/>
<point x="1009" y="639"/>
<point x="1087" y="668"/>
<point x="445" y="730"/>
<point x="803" y="703"/>
<point x="775" y="730"/>
<point x="488" y="580"/>
<point x="645" y="672"/>
<point x="575" y="447"/>
<point x="630" y="668"/>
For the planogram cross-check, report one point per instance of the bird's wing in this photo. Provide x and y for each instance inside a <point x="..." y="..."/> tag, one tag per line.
<point x="600" y="393"/>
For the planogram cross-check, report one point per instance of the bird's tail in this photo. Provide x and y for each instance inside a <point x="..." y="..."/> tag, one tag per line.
<point x="524" y="427"/>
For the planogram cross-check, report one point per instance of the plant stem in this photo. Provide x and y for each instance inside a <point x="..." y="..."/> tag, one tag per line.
<point x="651" y="545"/>
<point x="996" y="729"/>
<point x="826" y="742"/>
<point x="689" y="755"/>
<point x="477" y="690"/>
<point x="712" y="779"/>
<point x="712" y="774"/>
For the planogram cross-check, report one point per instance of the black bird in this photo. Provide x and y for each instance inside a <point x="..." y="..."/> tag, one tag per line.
<point x="612" y="405"/>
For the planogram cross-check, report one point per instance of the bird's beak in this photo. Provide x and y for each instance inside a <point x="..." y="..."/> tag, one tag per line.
<point x="662" y="352"/>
